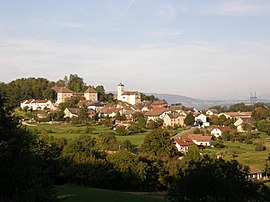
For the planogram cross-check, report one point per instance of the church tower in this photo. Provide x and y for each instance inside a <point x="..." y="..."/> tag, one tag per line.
<point x="120" y="90"/>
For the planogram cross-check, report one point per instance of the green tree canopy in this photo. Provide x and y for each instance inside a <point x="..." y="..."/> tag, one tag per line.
<point x="189" y="120"/>
<point x="159" y="143"/>
<point x="22" y="176"/>
<point x="213" y="180"/>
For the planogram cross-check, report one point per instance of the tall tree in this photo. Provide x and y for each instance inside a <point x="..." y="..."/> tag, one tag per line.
<point x="189" y="120"/>
<point x="22" y="176"/>
<point x="76" y="83"/>
<point x="159" y="143"/>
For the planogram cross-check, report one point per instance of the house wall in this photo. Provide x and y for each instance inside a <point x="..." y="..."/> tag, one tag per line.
<point x="62" y="97"/>
<point x="216" y="132"/>
<point x="91" y="96"/>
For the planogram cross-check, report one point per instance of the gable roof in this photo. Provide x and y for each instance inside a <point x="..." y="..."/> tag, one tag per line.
<point x="199" y="137"/>
<point x="224" y="128"/>
<point x="184" y="142"/>
<point x="61" y="89"/>
<point x="130" y="93"/>
<point x="90" y="90"/>
<point x="74" y="110"/>
<point x="154" y="113"/>
<point x="254" y="170"/>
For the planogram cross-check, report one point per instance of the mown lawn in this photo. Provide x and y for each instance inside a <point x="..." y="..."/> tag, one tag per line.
<point x="69" y="193"/>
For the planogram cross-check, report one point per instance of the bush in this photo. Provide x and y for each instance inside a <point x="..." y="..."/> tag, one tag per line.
<point x="260" y="147"/>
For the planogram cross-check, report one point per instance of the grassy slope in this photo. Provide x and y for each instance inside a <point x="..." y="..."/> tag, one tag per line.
<point x="86" y="194"/>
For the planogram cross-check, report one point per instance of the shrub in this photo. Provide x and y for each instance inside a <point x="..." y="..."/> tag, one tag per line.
<point x="260" y="147"/>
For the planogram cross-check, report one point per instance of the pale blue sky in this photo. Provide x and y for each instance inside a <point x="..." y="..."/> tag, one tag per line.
<point x="197" y="48"/>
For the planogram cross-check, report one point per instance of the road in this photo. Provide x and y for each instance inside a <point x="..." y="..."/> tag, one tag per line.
<point x="186" y="132"/>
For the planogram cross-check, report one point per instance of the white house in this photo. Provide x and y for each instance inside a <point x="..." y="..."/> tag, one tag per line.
<point x="217" y="132"/>
<point x="129" y="97"/>
<point x="183" y="145"/>
<point x="199" y="139"/>
<point x="37" y="104"/>
<point x="211" y="112"/>
<point x="202" y="119"/>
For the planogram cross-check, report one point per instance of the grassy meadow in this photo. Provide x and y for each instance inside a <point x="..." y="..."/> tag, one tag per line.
<point x="65" y="130"/>
<point x="71" y="193"/>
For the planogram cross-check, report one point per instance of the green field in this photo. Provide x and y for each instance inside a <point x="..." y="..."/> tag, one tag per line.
<point x="243" y="153"/>
<point x="64" y="130"/>
<point x="69" y="193"/>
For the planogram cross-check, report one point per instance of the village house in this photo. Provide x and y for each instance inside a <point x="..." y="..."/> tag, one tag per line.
<point x="217" y="132"/>
<point x="133" y="97"/>
<point x="254" y="173"/>
<point x="184" y="144"/>
<point x="171" y="119"/>
<point x="211" y="112"/>
<point x="201" y="120"/>
<point x="159" y="105"/>
<point x="200" y="139"/>
<point x="37" y="104"/>
<point x="71" y="112"/>
<point x="94" y="105"/>
<point x="155" y="114"/>
<point x="74" y="112"/>
<point x="237" y="115"/>
<point x="64" y="94"/>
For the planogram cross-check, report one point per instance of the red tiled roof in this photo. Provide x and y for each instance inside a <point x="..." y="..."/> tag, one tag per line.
<point x="199" y="137"/>
<point x="184" y="142"/>
<point x="224" y="128"/>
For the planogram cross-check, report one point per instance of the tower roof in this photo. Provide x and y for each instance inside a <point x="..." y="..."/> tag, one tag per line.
<point x="120" y="84"/>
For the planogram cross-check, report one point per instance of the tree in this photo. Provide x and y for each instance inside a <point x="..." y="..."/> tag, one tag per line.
<point x="22" y="174"/>
<point x="213" y="180"/>
<point x="159" y="143"/>
<point x="264" y="126"/>
<point x="189" y="120"/>
<point x="222" y="119"/>
<point x="76" y="83"/>
<point x="214" y="120"/>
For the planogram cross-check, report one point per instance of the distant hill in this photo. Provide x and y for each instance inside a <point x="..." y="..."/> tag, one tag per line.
<point x="198" y="103"/>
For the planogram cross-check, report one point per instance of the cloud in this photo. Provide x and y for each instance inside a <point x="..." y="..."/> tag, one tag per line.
<point x="197" y="69"/>
<point x="237" y="8"/>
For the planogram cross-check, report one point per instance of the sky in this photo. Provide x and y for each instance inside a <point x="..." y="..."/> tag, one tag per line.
<point x="207" y="49"/>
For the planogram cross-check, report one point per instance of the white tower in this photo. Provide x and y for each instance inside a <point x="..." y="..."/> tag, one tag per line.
<point x="120" y="90"/>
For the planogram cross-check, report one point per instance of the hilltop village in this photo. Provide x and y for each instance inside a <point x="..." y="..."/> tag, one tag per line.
<point x="209" y="125"/>
<point x="132" y="141"/>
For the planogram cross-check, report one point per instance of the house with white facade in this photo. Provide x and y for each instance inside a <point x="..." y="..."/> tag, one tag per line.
<point x="202" y="120"/>
<point x="184" y="144"/>
<point x="37" y="104"/>
<point x="131" y="97"/>
<point x="217" y="132"/>
<point x="200" y="139"/>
